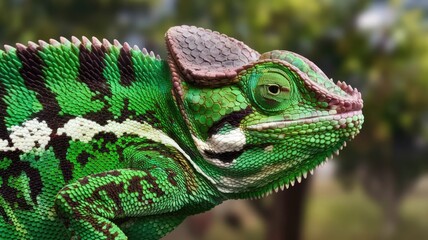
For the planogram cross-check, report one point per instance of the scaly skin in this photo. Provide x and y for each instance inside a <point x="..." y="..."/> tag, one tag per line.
<point x="101" y="141"/>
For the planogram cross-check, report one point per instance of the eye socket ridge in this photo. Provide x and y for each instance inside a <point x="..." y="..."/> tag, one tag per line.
<point x="271" y="89"/>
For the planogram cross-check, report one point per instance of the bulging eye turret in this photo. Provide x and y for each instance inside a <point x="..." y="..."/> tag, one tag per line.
<point x="271" y="89"/>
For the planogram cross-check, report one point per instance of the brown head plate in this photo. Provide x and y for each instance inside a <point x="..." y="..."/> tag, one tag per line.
<point x="207" y="58"/>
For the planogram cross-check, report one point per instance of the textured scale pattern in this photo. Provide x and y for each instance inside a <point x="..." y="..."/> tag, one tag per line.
<point x="99" y="140"/>
<point x="208" y="58"/>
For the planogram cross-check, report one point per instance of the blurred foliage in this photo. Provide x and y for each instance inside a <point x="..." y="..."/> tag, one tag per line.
<point x="388" y="62"/>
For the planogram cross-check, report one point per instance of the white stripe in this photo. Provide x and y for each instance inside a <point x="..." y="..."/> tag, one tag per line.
<point x="27" y="137"/>
<point x="84" y="129"/>
<point x="232" y="141"/>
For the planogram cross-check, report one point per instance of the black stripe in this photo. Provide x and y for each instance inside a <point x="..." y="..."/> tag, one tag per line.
<point x="226" y="157"/>
<point x="3" y="130"/>
<point x="102" y="116"/>
<point x="91" y="68"/>
<point x="112" y="190"/>
<point x="4" y="216"/>
<point x="127" y="74"/>
<point x="149" y="116"/>
<point x="91" y="73"/>
<point x="233" y="118"/>
<point x="32" y="73"/>
<point x="104" y="138"/>
<point x="60" y="145"/>
<point x="12" y="195"/>
<point x="83" y="158"/>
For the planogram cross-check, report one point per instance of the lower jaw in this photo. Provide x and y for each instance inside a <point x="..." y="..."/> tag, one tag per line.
<point x="282" y="183"/>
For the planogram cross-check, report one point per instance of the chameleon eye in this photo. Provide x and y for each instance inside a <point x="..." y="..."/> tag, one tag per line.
<point x="271" y="90"/>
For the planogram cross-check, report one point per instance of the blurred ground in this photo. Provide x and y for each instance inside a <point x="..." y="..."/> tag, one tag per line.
<point x="335" y="213"/>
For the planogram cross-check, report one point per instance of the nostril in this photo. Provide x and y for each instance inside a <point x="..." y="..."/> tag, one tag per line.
<point x="333" y="102"/>
<point x="357" y="106"/>
<point x="347" y="104"/>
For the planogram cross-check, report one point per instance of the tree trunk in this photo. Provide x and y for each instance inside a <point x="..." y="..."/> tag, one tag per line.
<point x="286" y="218"/>
<point x="390" y="207"/>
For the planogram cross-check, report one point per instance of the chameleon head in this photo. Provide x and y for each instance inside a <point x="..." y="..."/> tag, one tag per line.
<point x="260" y="122"/>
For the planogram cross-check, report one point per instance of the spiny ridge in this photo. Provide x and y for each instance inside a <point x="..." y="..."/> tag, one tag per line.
<point x="32" y="44"/>
<point x="96" y="42"/>
<point x="64" y="40"/>
<point x="77" y="43"/>
<point x="43" y="44"/>
<point x="54" y="42"/>
<point x="106" y="43"/>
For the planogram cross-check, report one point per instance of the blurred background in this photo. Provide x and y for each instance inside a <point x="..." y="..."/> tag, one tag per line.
<point x="378" y="187"/>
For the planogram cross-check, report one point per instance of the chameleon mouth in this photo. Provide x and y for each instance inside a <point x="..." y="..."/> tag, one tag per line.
<point x="353" y="119"/>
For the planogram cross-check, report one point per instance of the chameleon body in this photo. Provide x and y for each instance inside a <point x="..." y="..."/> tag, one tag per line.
<point x="105" y="141"/>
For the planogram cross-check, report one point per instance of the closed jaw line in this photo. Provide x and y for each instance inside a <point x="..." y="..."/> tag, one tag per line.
<point x="342" y="119"/>
<point x="242" y="184"/>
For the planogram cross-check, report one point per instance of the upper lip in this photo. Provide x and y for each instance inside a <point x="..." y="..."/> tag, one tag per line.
<point x="286" y="123"/>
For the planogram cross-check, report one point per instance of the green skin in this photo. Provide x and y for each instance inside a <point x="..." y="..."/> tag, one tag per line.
<point x="99" y="142"/>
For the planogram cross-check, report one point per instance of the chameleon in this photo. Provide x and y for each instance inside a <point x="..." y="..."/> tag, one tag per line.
<point x="102" y="140"/>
